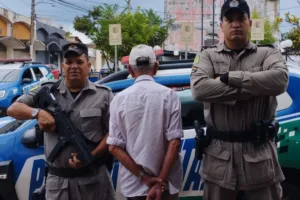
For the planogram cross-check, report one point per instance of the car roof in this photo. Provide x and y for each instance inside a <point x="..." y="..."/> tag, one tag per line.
<point x="19" y="65"/>
<point x="293" y="68"/>
<point x="171" y="80"/>
<point x="11" y="66"/>
<point x="175" y="68"/>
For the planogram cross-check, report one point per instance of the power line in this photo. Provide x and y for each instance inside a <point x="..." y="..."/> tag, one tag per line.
<point x="60" y="2"/>
<point x="5" y="6"/>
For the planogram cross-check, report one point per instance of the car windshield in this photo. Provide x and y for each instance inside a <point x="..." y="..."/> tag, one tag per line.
<point x="9" y="75"/>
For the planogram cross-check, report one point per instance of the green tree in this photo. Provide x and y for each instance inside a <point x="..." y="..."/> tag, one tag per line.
<point x="67" y="34"/>
<point x="269" y="27"/>
<point x="138" y="27"/>
<point x="294" y="34"/>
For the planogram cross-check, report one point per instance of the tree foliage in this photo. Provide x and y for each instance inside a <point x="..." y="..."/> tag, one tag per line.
<point x="270" y="28"/>
<point x="294" y="34"/>
<point x="138" y="27"/>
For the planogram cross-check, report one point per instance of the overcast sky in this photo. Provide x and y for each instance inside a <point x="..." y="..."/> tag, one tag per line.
<point x="64" y="16"/>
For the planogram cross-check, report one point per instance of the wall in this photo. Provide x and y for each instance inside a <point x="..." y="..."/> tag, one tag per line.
<point x="3" y="27"/>
<point x="21" y="31"/>
<point x="190" y="11"/>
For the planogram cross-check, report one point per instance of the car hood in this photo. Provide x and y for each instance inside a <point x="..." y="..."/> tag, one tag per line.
<point x="4" y="85"/>
<point x="5" y="120"/>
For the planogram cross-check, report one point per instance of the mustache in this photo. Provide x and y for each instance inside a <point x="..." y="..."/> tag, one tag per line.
<point x="236" y="30"/>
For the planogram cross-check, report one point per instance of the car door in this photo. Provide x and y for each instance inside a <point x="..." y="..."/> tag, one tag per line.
<point x="27" y="79"/>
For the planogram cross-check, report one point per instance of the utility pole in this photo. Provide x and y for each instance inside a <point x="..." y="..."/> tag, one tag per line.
<point x="202" y="32"/>
<point x="128" y="5"/>
<point x="213" y="22"/>
<point x="32" y="30"/>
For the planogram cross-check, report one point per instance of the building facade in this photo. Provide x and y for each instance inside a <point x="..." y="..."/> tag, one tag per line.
<point x="15" y="37"/>
<point x="191" y="11"/>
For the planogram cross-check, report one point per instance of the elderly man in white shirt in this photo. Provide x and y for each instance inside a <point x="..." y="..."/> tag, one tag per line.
<point x="145" y="133"/>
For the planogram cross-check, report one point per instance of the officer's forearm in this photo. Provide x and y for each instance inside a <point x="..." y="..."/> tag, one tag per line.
<point x="271" y="82"/>
<point x="170" y="158"/>
<point x="20" y="111"/>
<point x="125" y="159"/>
<point x="214" y="91"/>
<point x="101" y="148"/>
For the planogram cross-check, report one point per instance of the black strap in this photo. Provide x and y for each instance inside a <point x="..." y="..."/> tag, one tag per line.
<point x="55" y="85"/>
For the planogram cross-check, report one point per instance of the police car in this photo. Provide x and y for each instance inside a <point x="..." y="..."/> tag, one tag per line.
<point x="21" y="148"/>
<point x="18" y="76"/>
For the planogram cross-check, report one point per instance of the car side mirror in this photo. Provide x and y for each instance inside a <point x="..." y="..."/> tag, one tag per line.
<point x="26" y="80"/>
<point x="33" y="138"/>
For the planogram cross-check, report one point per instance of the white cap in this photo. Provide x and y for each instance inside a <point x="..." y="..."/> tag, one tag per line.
<point x="139" y="51"/>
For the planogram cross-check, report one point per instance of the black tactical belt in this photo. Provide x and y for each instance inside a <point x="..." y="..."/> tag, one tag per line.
<point x="232" y="136"/>
<point x="89" y="170"/>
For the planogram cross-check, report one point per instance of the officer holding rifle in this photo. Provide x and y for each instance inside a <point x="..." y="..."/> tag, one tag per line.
<point x="75" y="121"/>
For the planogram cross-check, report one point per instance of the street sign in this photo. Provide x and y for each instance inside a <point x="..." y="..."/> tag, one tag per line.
<point x="187" y="32"/>
<point x="258" y="29"/>
<point x="115" y="34"/>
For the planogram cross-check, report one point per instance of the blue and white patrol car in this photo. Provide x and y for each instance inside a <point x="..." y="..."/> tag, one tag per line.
<point x="22" y="159"/>
<point x="17" y="78"/>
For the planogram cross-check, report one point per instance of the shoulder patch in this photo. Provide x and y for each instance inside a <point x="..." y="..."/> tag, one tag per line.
<point x="196" y="60"/>
<point x="266" y="45"/>
<point x="102" y="86"/>
<point x="194" y="69"/>
<point x="208" y="47"/>
<point x="51" y="82"/>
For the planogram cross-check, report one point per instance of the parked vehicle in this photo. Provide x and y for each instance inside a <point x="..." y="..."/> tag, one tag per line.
<point x="21" y="147"/>
<point x="17" y="78"/>
<point x="54" y="70"/>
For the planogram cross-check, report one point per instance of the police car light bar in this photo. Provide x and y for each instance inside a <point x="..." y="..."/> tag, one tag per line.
<point x="15" y="60"/>
<point x="125" y="59"/>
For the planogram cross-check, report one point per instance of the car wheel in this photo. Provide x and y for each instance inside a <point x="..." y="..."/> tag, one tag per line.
<point x="290" y="191"/>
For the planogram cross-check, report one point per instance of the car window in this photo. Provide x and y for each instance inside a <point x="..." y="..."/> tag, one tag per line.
<point x="38" y="73"/>
<point x="27" y="74"/>
<point x="12" y="126"/>
<point x="191" y="109"/>
<point x="284" y="101"/>
<point x="44" y="71"/>
<point x="9" y="75"/>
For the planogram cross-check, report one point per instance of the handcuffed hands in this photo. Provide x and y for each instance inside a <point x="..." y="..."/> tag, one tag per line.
<point x="155" y="192"/>
<point x="151" y="180"/>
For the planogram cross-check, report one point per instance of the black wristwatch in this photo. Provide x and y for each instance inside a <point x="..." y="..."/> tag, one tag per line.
<point x="224" y="78"/>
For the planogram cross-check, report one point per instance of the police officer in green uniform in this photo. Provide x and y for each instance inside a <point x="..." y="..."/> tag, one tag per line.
<point x="88" y="107"/>
<point x="238" y="82"/>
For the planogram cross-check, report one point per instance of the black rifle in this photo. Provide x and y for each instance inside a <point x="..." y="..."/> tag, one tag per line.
<point x="64" y="127"/>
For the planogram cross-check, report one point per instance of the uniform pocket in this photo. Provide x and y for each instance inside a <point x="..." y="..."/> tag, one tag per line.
<point x="90" y="119"/>
<point x="215" y="162"/>
<point x="56" y="188"/>
<point x="221" y="67"/>
<point x="258" y="167"/>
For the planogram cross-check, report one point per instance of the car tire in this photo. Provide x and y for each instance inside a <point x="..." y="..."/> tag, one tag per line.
<point x="290" y="191"/>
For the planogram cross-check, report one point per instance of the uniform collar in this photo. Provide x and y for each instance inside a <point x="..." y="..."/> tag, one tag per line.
<point x="87" y="86"/>
<point x="222" y="47"/>
<point x="144" y="78"/>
